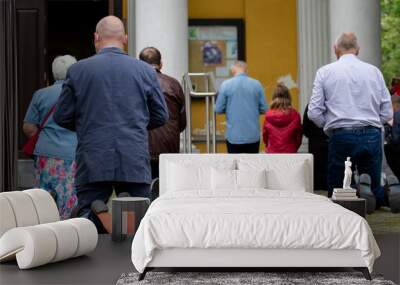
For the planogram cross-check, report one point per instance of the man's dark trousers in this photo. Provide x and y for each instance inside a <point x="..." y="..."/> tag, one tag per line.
<point x="243" y="148"/>
<point x="363" y="145"/>
<point x="102" y="191"/>
<point x="155" y="168"/>
<point x="392" y="152"/>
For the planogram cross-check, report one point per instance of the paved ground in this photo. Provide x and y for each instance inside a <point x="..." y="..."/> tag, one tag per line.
<point x="382" y="221"/>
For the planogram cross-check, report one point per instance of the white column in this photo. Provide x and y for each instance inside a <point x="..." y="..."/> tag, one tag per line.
<point x="312" y="44"/>
<point x="361" y="17"/>
<point x="164" y="25"/>
<point x="130" y="27"/>
<point x="312" y="48"/>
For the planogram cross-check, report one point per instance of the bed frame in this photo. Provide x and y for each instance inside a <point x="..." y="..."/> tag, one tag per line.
<point x="243" y="259"/>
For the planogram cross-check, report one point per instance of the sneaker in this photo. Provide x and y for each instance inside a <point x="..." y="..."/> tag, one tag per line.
<point x="100" y="209"/>
<point x="394" y="193"/>
<point x="366" y="192"/>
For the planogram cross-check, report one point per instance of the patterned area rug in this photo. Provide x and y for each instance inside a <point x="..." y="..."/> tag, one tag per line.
<point x="243" y="278"/>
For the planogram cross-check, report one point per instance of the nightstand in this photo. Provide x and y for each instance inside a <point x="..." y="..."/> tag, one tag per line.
<point x="358" y="205"/>
<point x="127" y="212"/>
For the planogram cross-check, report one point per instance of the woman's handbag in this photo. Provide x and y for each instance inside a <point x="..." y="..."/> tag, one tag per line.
<point x="29" y="146"/>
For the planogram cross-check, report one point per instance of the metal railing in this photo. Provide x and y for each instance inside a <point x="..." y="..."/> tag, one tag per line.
<point x="208" y="94"/>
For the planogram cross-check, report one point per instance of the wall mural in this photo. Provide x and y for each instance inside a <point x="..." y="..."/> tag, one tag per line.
<point x="214" y="45"/>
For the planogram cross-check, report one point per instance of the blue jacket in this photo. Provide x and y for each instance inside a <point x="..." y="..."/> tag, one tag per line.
<point x="111" y="100"/>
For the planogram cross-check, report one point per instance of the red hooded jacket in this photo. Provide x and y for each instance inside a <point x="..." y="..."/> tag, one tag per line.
<point x="282" y="131"/>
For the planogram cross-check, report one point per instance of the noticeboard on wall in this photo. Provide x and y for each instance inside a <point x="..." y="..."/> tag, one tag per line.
<point x="214" y="45"/>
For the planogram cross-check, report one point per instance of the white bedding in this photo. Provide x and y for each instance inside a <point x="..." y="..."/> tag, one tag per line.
<point x="252" y="218"/>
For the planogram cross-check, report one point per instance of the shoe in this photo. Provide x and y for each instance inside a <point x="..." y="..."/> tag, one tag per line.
<point x="100" y="209"/>
<point x="394" y="193"/>
<point x="123" y="194"/>
<point x="366" y="192"/>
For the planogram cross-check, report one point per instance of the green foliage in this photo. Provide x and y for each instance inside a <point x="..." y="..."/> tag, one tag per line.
<point x="390" y="41"/>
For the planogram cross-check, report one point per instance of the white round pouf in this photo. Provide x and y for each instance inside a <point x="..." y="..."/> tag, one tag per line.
<point x="7" y="218"/>
<point x="67" y="240"/>
<point x="23" y="208"/>
<point x="87" y="234"/>
<point x="33" y="246"/>
<point x="45" y="205"/>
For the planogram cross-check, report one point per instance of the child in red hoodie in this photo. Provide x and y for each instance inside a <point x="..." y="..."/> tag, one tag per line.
<point x="282" y="127"/>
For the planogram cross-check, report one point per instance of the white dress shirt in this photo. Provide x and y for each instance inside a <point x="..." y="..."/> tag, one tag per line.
<point x="349" y="93"/>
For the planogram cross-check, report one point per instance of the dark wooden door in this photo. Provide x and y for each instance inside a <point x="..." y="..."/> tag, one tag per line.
<point x="31" y="24"/>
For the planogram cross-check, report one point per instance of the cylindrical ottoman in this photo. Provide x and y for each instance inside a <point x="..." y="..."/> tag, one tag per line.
<point x="127" y="212"/>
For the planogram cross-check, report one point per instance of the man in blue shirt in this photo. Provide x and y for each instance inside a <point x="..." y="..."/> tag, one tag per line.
<point x="111" y="100"/>
<point x="351" y="102"/>
<point x="242" y="99"/>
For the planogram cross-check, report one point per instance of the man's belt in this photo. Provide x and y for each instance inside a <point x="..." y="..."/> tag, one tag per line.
<point x="354" y="129"/>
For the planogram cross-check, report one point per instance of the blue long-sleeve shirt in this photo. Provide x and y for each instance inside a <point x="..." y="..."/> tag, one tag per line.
<point x="349" y="93"/>
<point x="242" y="99"/>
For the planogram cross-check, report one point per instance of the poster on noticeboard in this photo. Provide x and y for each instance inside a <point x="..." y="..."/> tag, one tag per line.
<point x="214" y="45"/>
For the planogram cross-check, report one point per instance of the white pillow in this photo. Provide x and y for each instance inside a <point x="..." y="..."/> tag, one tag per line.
<point x="281" y="173"/>
<point x="188" y="177"/>
<point x="251" y="178"/>
<point x="223" y="179"/>
<point x="293" y="179"/>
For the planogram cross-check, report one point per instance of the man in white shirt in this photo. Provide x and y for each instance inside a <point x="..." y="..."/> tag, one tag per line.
<point x="351" y="102"/>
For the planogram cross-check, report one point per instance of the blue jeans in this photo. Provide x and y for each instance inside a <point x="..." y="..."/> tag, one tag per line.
<point x="364" y="146"/>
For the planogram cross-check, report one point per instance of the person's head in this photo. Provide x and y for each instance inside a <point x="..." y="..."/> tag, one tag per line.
<point x="281" y="98"/>
<point x="395" y="81"/>
<point x="110" y="32"/>
<point x="152" y="56"/>
<point x="239" y="67"/>
<point x="60" y="66"/>
<point x="396" y="103"/>
<point x="346" y="43"/>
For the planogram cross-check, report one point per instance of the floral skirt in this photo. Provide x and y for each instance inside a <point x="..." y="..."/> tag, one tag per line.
<point x="57" y="177"/>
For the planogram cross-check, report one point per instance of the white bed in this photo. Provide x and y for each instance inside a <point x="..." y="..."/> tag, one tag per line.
<point x="221" y="211"/>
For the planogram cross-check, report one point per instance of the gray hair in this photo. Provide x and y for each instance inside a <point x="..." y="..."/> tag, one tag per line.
<point x="347" y="41"/>
<point x="60" y="66"/>
<point x="240" y="64"/>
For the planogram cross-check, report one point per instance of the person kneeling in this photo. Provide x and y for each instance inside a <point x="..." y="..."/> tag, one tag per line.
<point x="282" y="127"/>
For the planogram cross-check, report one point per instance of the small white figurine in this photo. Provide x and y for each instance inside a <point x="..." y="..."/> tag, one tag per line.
<point x="347" y="174"/>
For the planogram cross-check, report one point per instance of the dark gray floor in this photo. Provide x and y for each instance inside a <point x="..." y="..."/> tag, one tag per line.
<point x="103" y="266"/>
<point x="389" y="262"/>
<point x="110" y="260"/>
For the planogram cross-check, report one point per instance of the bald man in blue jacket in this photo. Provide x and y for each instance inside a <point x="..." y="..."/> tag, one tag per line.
<point x="111" y="100"/>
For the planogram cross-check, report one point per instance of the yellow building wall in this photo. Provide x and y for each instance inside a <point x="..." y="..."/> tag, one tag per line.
<point x="271" y="43"/>
<point x="217" y="9"/>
